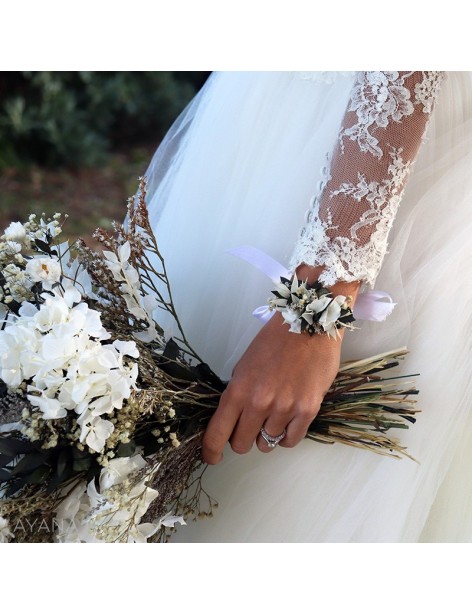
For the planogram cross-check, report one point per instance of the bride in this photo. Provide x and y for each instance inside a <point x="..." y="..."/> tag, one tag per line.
<point x="241" y="166"/>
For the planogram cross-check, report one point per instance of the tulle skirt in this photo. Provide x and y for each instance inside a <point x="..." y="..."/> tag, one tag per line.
<point x="239" y="167"/>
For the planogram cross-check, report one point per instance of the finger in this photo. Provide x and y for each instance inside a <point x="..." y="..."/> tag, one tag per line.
<point x="219" y="428"/>
<point x="274" y="426"/>
<point x="298" y="428"/>
<point x="247" y="430"/>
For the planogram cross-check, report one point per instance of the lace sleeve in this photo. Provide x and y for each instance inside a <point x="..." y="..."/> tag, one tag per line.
<point x="347" y="226"/>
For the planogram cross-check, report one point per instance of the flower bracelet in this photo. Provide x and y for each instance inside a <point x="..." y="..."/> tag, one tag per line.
<point x="311" y="307"/>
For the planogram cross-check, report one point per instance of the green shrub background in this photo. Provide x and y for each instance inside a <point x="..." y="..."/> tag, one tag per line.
<point x="76" y="142"/>
<point x="76" y="118"/>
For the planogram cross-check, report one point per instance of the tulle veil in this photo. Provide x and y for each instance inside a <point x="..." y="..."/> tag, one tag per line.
<point x="240" y="166"/>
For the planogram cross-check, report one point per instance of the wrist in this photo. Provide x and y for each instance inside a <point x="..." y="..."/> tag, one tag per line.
<point x="312" y="273"/>
<point x="308" y="306"/>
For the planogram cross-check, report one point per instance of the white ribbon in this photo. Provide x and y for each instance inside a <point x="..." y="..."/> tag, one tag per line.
<point x="374" y="305"/>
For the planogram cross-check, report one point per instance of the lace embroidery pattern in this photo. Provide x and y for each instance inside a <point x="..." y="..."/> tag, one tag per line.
<point x="379" y="195"/>
<point x="349" y="220"/>
<point x="377" y="98"/>
<point x="427" y="91"/>
<point x="381" y="97"/>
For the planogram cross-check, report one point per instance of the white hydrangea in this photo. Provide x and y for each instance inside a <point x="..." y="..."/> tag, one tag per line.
<point x="57" y="351"/>
<point x="87" y="515"/>
<point x="15" y="232"/>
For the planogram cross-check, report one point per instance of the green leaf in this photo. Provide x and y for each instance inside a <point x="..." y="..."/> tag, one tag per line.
<point x="62" y="470"/>
<point x="39" y="475"/>
<point x="126" y="449"/>
<point x="5" y="475"/>
<point x="205" y="374"/>
<point x="57" y="479"/>
<point x="12" y="447"/>
<point x="82" y="464"/>
<point x="63" y="461"/>
<point x="29" y="463"/>
<point x="43" y="246"/>
<point x="79" y="454"/>
<point x="5" y="460"/>
<point x="93" y="472"/>
<point x="149" y="444"/>
<point x="16" y="486"/>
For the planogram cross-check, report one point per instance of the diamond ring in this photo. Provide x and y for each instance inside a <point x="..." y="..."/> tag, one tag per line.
<point x="271" y="440"/>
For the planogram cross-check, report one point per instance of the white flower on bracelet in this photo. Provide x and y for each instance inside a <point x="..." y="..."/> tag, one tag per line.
<point x="311" y="307"/>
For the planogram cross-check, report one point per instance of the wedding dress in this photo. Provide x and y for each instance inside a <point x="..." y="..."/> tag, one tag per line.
<point x="241" y="166"/>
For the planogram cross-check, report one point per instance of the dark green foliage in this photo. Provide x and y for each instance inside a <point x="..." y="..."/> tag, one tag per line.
<point x="75" y="118"/>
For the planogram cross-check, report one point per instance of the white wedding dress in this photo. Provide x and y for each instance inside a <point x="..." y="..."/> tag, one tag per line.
<point x="240" y="166"/>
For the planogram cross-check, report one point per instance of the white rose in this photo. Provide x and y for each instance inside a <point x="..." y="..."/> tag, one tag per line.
<point x="15" y="232"/>
<point x="44" y="270"/>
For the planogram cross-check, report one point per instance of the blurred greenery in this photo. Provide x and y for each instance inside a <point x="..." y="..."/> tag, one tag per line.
<point x="76" y="142"/>
<point x="76" y="119"/>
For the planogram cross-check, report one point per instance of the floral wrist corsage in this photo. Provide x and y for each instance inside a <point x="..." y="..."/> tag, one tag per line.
<point x="311" y="307"/>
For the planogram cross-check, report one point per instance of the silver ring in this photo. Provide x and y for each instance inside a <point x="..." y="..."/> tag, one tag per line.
<point x="270" y="440"/>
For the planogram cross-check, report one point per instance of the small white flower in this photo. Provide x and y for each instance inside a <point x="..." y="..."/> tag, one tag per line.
<point x="51" y="408"/>
<point x="95" y="430"/>
<point x="74" y="274"/>
<point x="293" y="318"/>
<point x="126" y="347"/>
<point x="119" y="469"/>
<point x="44" y="270"/>
<point x="331" y="314"/>
<point x="15" y="232"/>
<point x="12" y="247"/>
<point x="315" y="307"/>
<point x="169" y="521"/>
<point x="140" y="533"/>
<point x="5" y="533"/>
<point x="290" y="316"/>
<point x="52" y="312"/>
<point x="69" y="513"/>
<point x="282" y="290"/>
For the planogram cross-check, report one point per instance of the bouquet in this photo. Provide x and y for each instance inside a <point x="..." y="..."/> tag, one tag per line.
<point x="102" y="415"/>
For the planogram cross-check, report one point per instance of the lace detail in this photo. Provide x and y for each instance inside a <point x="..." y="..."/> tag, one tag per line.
<point x="379" y="195"/>
<point x="350" y="218"/>
<point x="427" y="91"/>
<point x="377" y="98"/>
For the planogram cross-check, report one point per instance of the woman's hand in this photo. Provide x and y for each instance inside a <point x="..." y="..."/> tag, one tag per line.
<point x="278" y="383"/>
